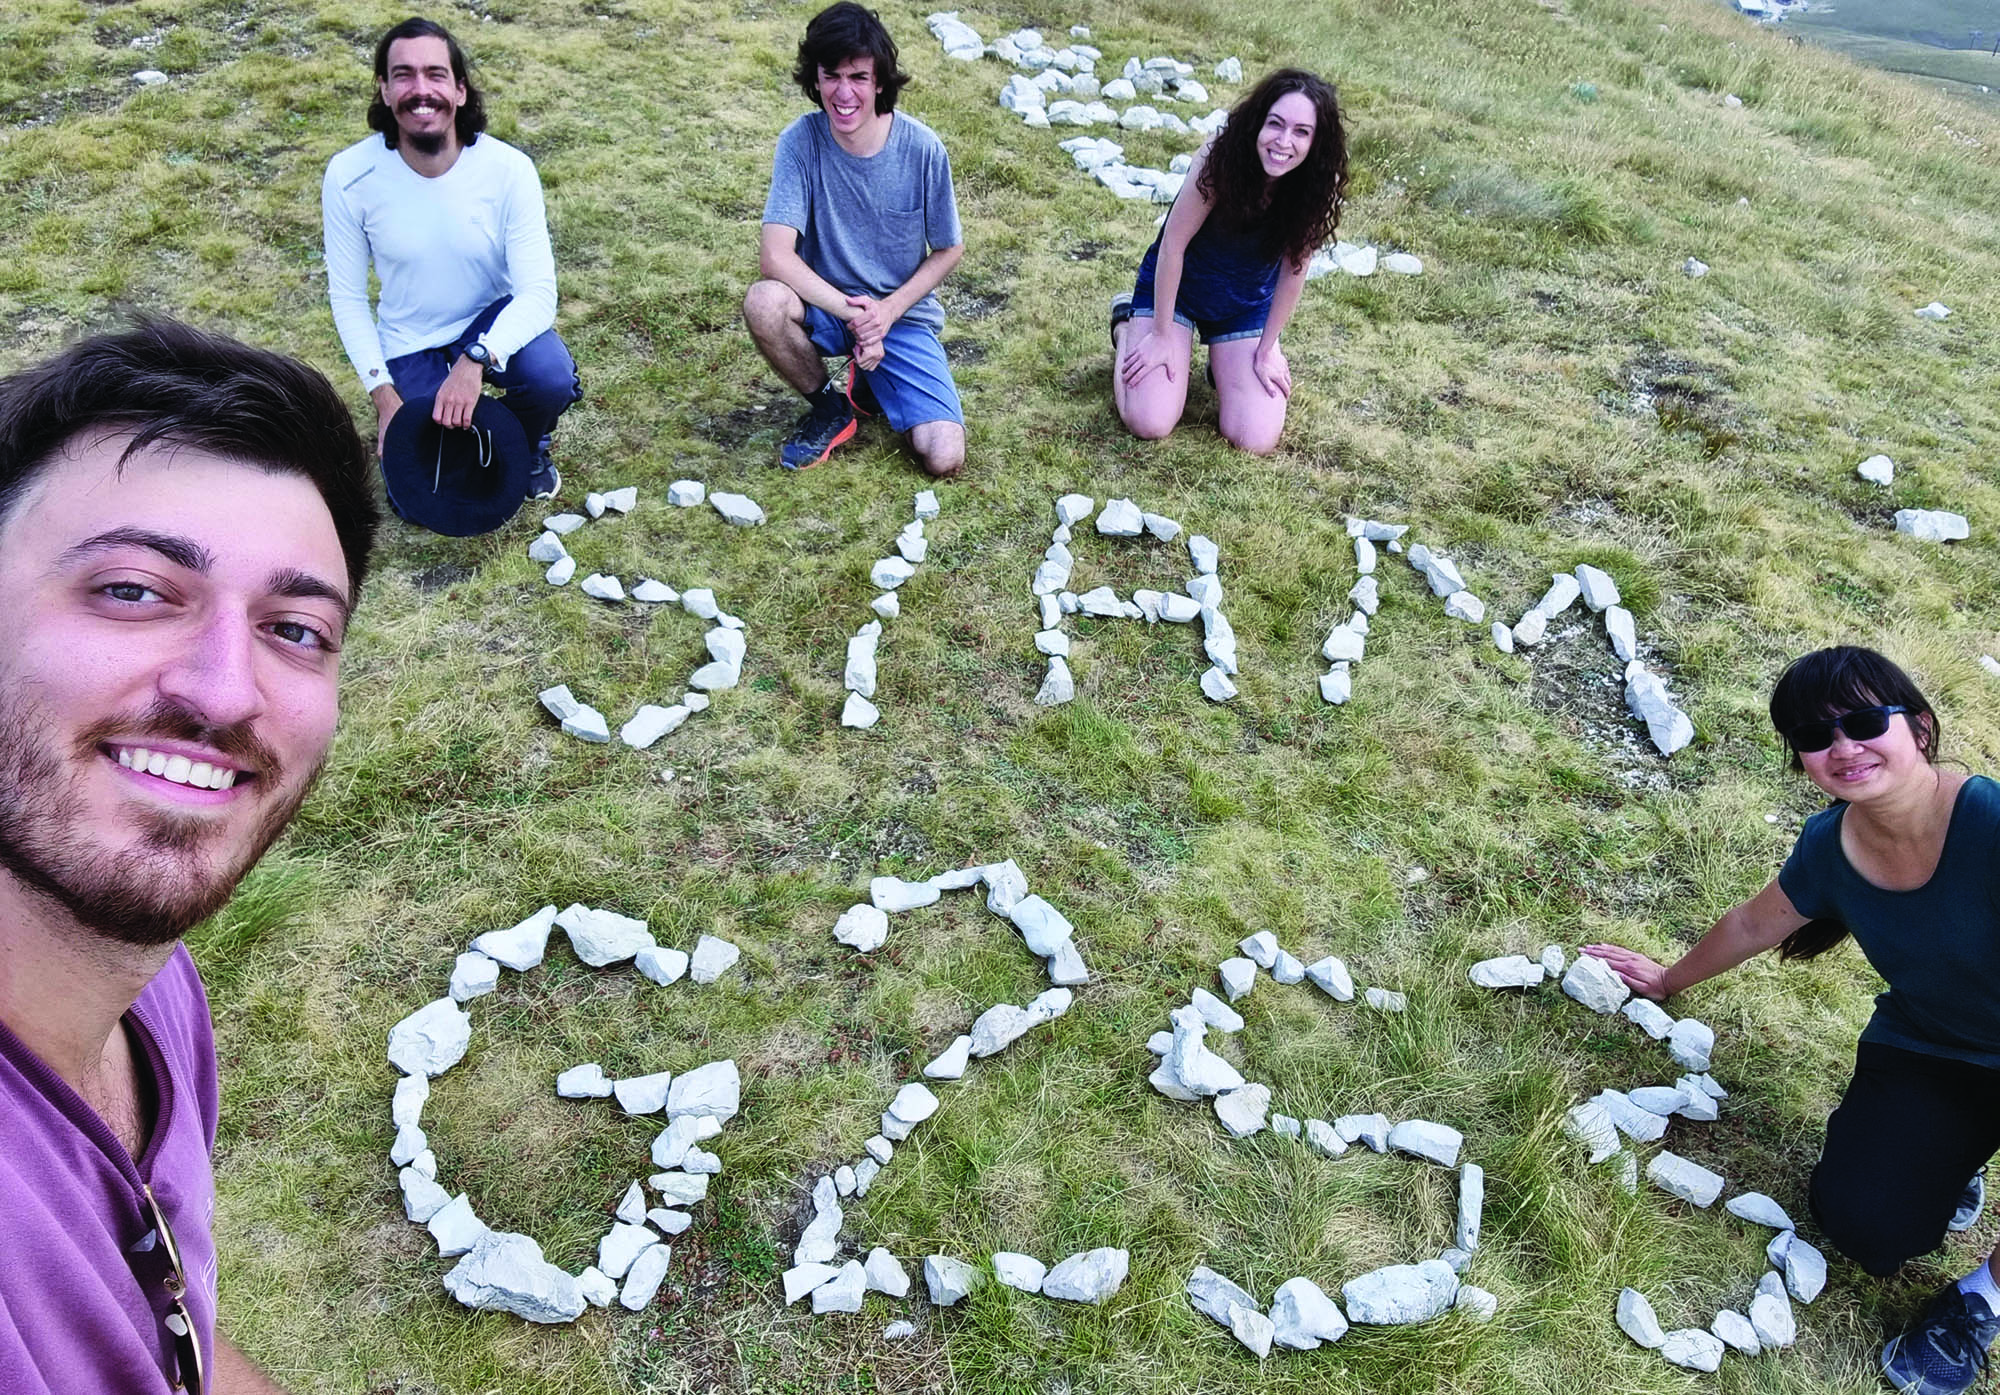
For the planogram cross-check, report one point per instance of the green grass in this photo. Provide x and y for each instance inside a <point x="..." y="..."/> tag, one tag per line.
<point x="1551" y="391"/>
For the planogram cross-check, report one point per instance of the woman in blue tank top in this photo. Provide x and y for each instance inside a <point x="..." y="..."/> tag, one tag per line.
<point x="1907" y="860"/>
<point x="1230" y="262"/>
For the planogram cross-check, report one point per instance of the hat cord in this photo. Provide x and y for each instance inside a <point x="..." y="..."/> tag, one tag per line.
<point x="485" y="456"/>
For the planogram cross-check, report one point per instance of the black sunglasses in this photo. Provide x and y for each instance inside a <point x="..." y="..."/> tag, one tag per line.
<point x="1862" y="724"/>
<point x="179" y="1322"/>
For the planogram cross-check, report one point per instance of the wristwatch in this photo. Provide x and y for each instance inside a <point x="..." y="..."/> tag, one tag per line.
<point x="480" y="355"/>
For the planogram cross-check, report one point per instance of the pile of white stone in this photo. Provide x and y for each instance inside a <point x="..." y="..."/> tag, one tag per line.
<point x="864" y="927"/>
<point x="1361" y="259"/>
<point x="725" y="642"/>
<point x="1642" y="1115"/>
<point x="1201" y="599"/>
<point x="888" y="573"/>
<point x="1301" y="1316"/>
<point x="1060" y="87"/>
<point x="1346" y="644"/>
<point x="505" y="1272"/>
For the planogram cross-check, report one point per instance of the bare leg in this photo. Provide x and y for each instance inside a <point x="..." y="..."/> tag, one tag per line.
<point x="777" y="321"/>
<point x="1251" y="418"/>
<point x="939" y="446"/>
<point x="1152" y="409"/>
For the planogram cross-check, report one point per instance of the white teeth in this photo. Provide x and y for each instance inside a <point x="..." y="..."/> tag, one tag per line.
<point x="201" y="774"/>
<point x="225" y="779"/>
<point x="156" y="763"/>
<point x="181" y="770"/>
<point x="177" y="769"/>
<point x="125" y="758"/>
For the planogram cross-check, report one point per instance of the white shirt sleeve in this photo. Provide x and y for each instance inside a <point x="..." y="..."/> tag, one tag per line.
<point x="531" y="268"/>
<point x="346" y="252"/>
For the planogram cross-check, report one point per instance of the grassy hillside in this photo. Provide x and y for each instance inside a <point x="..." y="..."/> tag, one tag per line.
<point x="1552" y="390"/>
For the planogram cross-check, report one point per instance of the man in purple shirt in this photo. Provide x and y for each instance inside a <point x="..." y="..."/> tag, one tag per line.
<point x="184" y="527"/>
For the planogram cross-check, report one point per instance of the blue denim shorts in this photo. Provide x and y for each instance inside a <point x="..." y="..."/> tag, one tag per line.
<point x="912" y="382"/>
<point x="1245" y="323"/>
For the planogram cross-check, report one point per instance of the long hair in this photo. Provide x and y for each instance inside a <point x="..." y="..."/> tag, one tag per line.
<point x="1304" y="204"/>
<point x="840" y="32"/>
<point x="166" y="384"/>
<point x="1822" y="685"/>
<point x="470" y="118"/>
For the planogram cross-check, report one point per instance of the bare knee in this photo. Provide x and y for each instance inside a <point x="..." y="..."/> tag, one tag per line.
<point x="770" y="308"/>
<point x="939" y="448"/>
<point x="1253" y="438"/>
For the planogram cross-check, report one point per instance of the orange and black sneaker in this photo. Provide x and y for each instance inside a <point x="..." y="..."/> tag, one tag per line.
<point x="829" y="421"/>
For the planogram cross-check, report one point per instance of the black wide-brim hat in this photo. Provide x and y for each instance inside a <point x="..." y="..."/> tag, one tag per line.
<point x="458" y="482"/>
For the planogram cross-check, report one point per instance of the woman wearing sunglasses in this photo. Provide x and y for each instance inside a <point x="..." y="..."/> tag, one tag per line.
<point x="1908" y="861"/>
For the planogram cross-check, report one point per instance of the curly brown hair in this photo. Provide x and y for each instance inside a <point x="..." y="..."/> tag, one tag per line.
<point x="1298" y="211"/>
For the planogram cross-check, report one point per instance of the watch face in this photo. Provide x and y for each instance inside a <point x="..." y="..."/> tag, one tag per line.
<point x="478" y="353"/>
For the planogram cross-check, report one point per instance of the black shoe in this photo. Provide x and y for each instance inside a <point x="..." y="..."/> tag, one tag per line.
<point x="1970" y="1203"/>
<point x="544" y="480"/>
<point x="827" y="423"/>
<point x="1945" y="1352"/>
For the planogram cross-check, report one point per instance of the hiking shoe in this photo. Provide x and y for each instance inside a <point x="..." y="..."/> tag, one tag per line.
<point x="1970" y="1203"/>
<point x="1945" y="1352"/>
<point x="827" y="423"/>
<point x="860" y="394"/>
<point x="544" y="479"/>
<point x="1121" y="311"/>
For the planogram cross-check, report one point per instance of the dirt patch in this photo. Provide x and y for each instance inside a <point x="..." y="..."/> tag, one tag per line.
<point x="1087" y="251"/>
<point x="965" y="351"/>
<point x="1685" y="395"/>
<point x="966" y="303"/>
<point x="438" y="577"/>
<point x="1577" y="677"/>
<point x="734" y="428"/>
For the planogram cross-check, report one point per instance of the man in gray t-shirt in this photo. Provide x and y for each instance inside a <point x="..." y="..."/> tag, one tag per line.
<point x="859" y="229"/>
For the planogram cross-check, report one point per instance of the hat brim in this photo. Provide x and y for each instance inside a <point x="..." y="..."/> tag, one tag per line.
<point x="458" y="482"/>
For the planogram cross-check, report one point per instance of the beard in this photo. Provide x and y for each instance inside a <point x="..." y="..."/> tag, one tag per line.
<point x="424" y="142"/>
<point x="176" y="874"/>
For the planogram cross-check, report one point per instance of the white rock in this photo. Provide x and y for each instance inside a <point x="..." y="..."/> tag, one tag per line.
<point x="885" y="1274"/>
<point x="1695" y="268"/>
<point x="802" y="1279"/>
<point x="1563" y="590"/>
<point x="1758" y="1209"/>
<point x="913" y="549"/>
<point x="1595" y="984"/>
<point x="1238" y="976"/>
<point x="1260" y="949"/>
<point x="1636" y="1319"/>
<point x="1005" y="885"/>
<point x="1020" y="1271"/>
<point x="1121" y="518"/>
<point x="521" y="947"/>
<point x="1048" y="1005"/>
<point x="564" y="523"/>
<point x="1288" y="970"/>
<point x="893" y="894"/>
<point x="602" y="937"/>
<point x="587" y="724"/>
<point x="1650" y="1017"/>
<point x="1503" y="637"/>
<point x="948" y="1279"/>
<point x="1463" y="605"/>
<point x="621" y="1245"/>
<point x="643" y="1094"/>
<point x="1230" y="70"/>
<point x="1020" y="94"/>
<point x="1936" y="310"/>
<point x="1772" y="1319"/>
<point x="1694" y="1348"/>
<point x="1639" y="1125"/>
<point x="597" y="1287"/>
<point x="1090" y="1277"/>
<point x="1663" y="1100"/>
<point x="1066" y="966"/>
<point x="431" y="1040"/>
<point x="547" y="548"/>
<point x="603" y="588"/>
<point x="507" y="1274"/>
<point x="1420" y="1138"/>
<point x="1730" y="99"/>
<point x="1052" y="642"/>
<point x="1252" y="1328"/>
<point x="1336" y="685"/>
<point x="1371" y="1129"/>
<point x="1331" y="977"/>
<point x="679" y="1188"/>
<point x="1646" y="696"/>
<point x="685" y="494"/>
<point x="863" y="926"/>
<point x="1689" y="1181"/>
<point x="149" y="77"/>
<point x="1343" y="645"/>
<point x="1530" y="629"/>
<point x="1511" y="971"/>
<point x="455" y="1228"/>
<point x="406" y="1106"/>
<point x="1302" y="1316"/>
<point x="1471" y="1204"/>
<point x="1284" y="1126"/>
<point x="1553" y="960"/>
<point x="1242" y="1110"/>
<point x="585" y="1082"/>
<point x="642" y="1281"/>
<point x="1401" y="1294"/>
<point x="1057" y="686"/>
<point x="713" y="1090"/>
<point x="1213" y="1296"/>
<point x="926" y="504"/>
<point x="1877" y="469"/>
<point x="844" y="1292"/>
<point x="865" y="1173"/>
<point x="1072" y="509"/>
<point x="1691" y="1043"/>
<point x="821" y="1239"/>
<point x="1735" y="1330"/>
<point x="473" y="975"/>
<point x="1324" y="1138"/>
<point x="1805" y="1270"/>
<point x="700" y="603"/>
<point x="1623" y="634"/>
<point x="859" y="712"/>
<point x="913" y="1104"/>
<point x="1476" y="1303"/>
<point x="1403" y="264"/>
<point x="1383" y="1000"/>
<point x="1365" y="595"/>
<point x="712" y="958"/>
<point x="1932" y="525"/>
<point x="1590" y="1124"/>
<point x="738" y="509"/>
<point x="997" y="1027"/>
<point x="422" y="1196"/>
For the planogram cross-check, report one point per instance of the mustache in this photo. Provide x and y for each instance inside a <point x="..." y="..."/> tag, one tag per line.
<point x="410" y="104"/>
<point x="175" y="721"/>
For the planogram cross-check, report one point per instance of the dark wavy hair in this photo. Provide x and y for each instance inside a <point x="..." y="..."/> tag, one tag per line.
<point x="1298" y="211"/>
<point x="840" y="32"/>
<point x="470" y="118"/>
<point x="1822" y="685"/>
<point x="167" y="384"/>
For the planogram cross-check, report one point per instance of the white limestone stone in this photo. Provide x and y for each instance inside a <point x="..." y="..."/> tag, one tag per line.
<point x="844" y="1292"/>
<point x="1463" y="605"/>
<point x="406" y="1105"/>
<point x="1590" y="1124"/>
<point x="802" y="1279"/>
<point x="677" y="1139"/>
<point x="1805" y="1270"/>
<point x="715" y="677"/>
<point x="1694" y="1348"/>
<point x="632" y="1206"/>
<point x="1057" y="686"/>
<point x="1121" y="518"/>
<point x="455" y="1228"/>
<point x="712" y="958"/>
<point x="1102" y="601"/>
<point x="679" y="1188"/>
<point x="1238" y="976"/>
<point x="859" y="712"/>
<point x="621" y="1245"/>
<point x="1331" y="977"/>
<point x="505" y="1273"/>
<point x="1066" y="966"/>
<point x="1242" y="1110"/>
<point x="1288" y="970"/>
<point x="473" y="975"/>
<point x="1530" y="629"/>
<point x="997" y="1027"/>
<point x="1048" y="1005"/>
<point x="522" y="946"/>
<point x="1553" y="961"/>
<point x="1476" y="1303"/>
<point x="650" y="723"/>
<point x="1260" y="949"/>
<point x="1365" y="595"/>
<point x="912" y="548"/>
<point x="587" y="724"/>
<point x="1324" y="1138"/>
<point x="422" y="1196"/>
<point x="1639" y="1125"/>
<point x="893" y="894"/>
<point x="1090" y="1277"/>
<point x="1651" y="1019"/>
<point x="1252" y="1328"/>
<point x="700" y="603"/>
<point x="602" y="937"/>
<point x="714" y="1090"/>
<point x="890" y="572"/>
<point x="1694" y="268"/>
<point x="1371" y="1129"/>
<point x="1302" y="1316"/>
<point x="887" y="605"/>
<point x="431" y="1040"/>
<point x="1213" y="1295"/>
<point x="1162" y="527"/>
<point x="1772" y="1320"/>
<point x="1503" y="637"/>
<point x="1689" y="1181"/>
<point x="885" y="1274"/>
<point x="1637" y="1320"/>
<point x="1759" y="1209"/>
<point x="1599" y="591"/>
<point x="1206" y="589"/>
<point x="1471" y="1205"/>
<point x="1052" y="642"/>
<point x="1735" y="1330"/>
<point x="862" y="926"/>
<point x="865" y="1173"/>
<point x="564" y="523"/>
<point x="1042" y="926"/>
<point x="1624" y="636"/>
<point x="739" y="509"/>
<point x="1691" y="1043"/>
<point x="1384" y="1000"/>
<point x="1876" y="469"/>
<point x="685" y="494"/>
<point x="1336" y="685"/>
<point x="642" y="1280"/>
<point x="1401" y="1294"/>
<point x="821" y="1239"/>
<point x="1510" y="971"/>
<point x="1646" y="696"/>
<point x="547" y="547"/>
<point x="1343" y="645"/>
<point x="585" y="1082"/>
<point x="643" y="1094"/>
<point x="1005" y="885"/>
<point x="948" y="1279"/>
<point x="913" y="1104"/>
<point x="1595" y="984"/>
<point x="1403" y="264"/>
<point x="1020" y="1271"/>
<point x="1658" y="1099"/>
<point x="1936" y="310"/>
<point x="1420" y="1138"/>
<point x="597" y="1287"/>
<point x="603" y="588"/>
<point x="1203" y="553"/>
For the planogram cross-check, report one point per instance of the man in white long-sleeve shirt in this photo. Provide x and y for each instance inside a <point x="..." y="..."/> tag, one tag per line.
<point x="454" y="224"/>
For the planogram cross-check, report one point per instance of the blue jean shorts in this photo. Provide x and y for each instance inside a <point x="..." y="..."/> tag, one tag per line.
<point x="912" y="382"/>
<point x="1240" y="324"/>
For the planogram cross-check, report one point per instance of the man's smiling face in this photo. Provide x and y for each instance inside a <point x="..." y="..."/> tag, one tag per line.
<point x="848" y="92"/>
<point x="422" y="92"/>
<point x="169" y="648"/>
